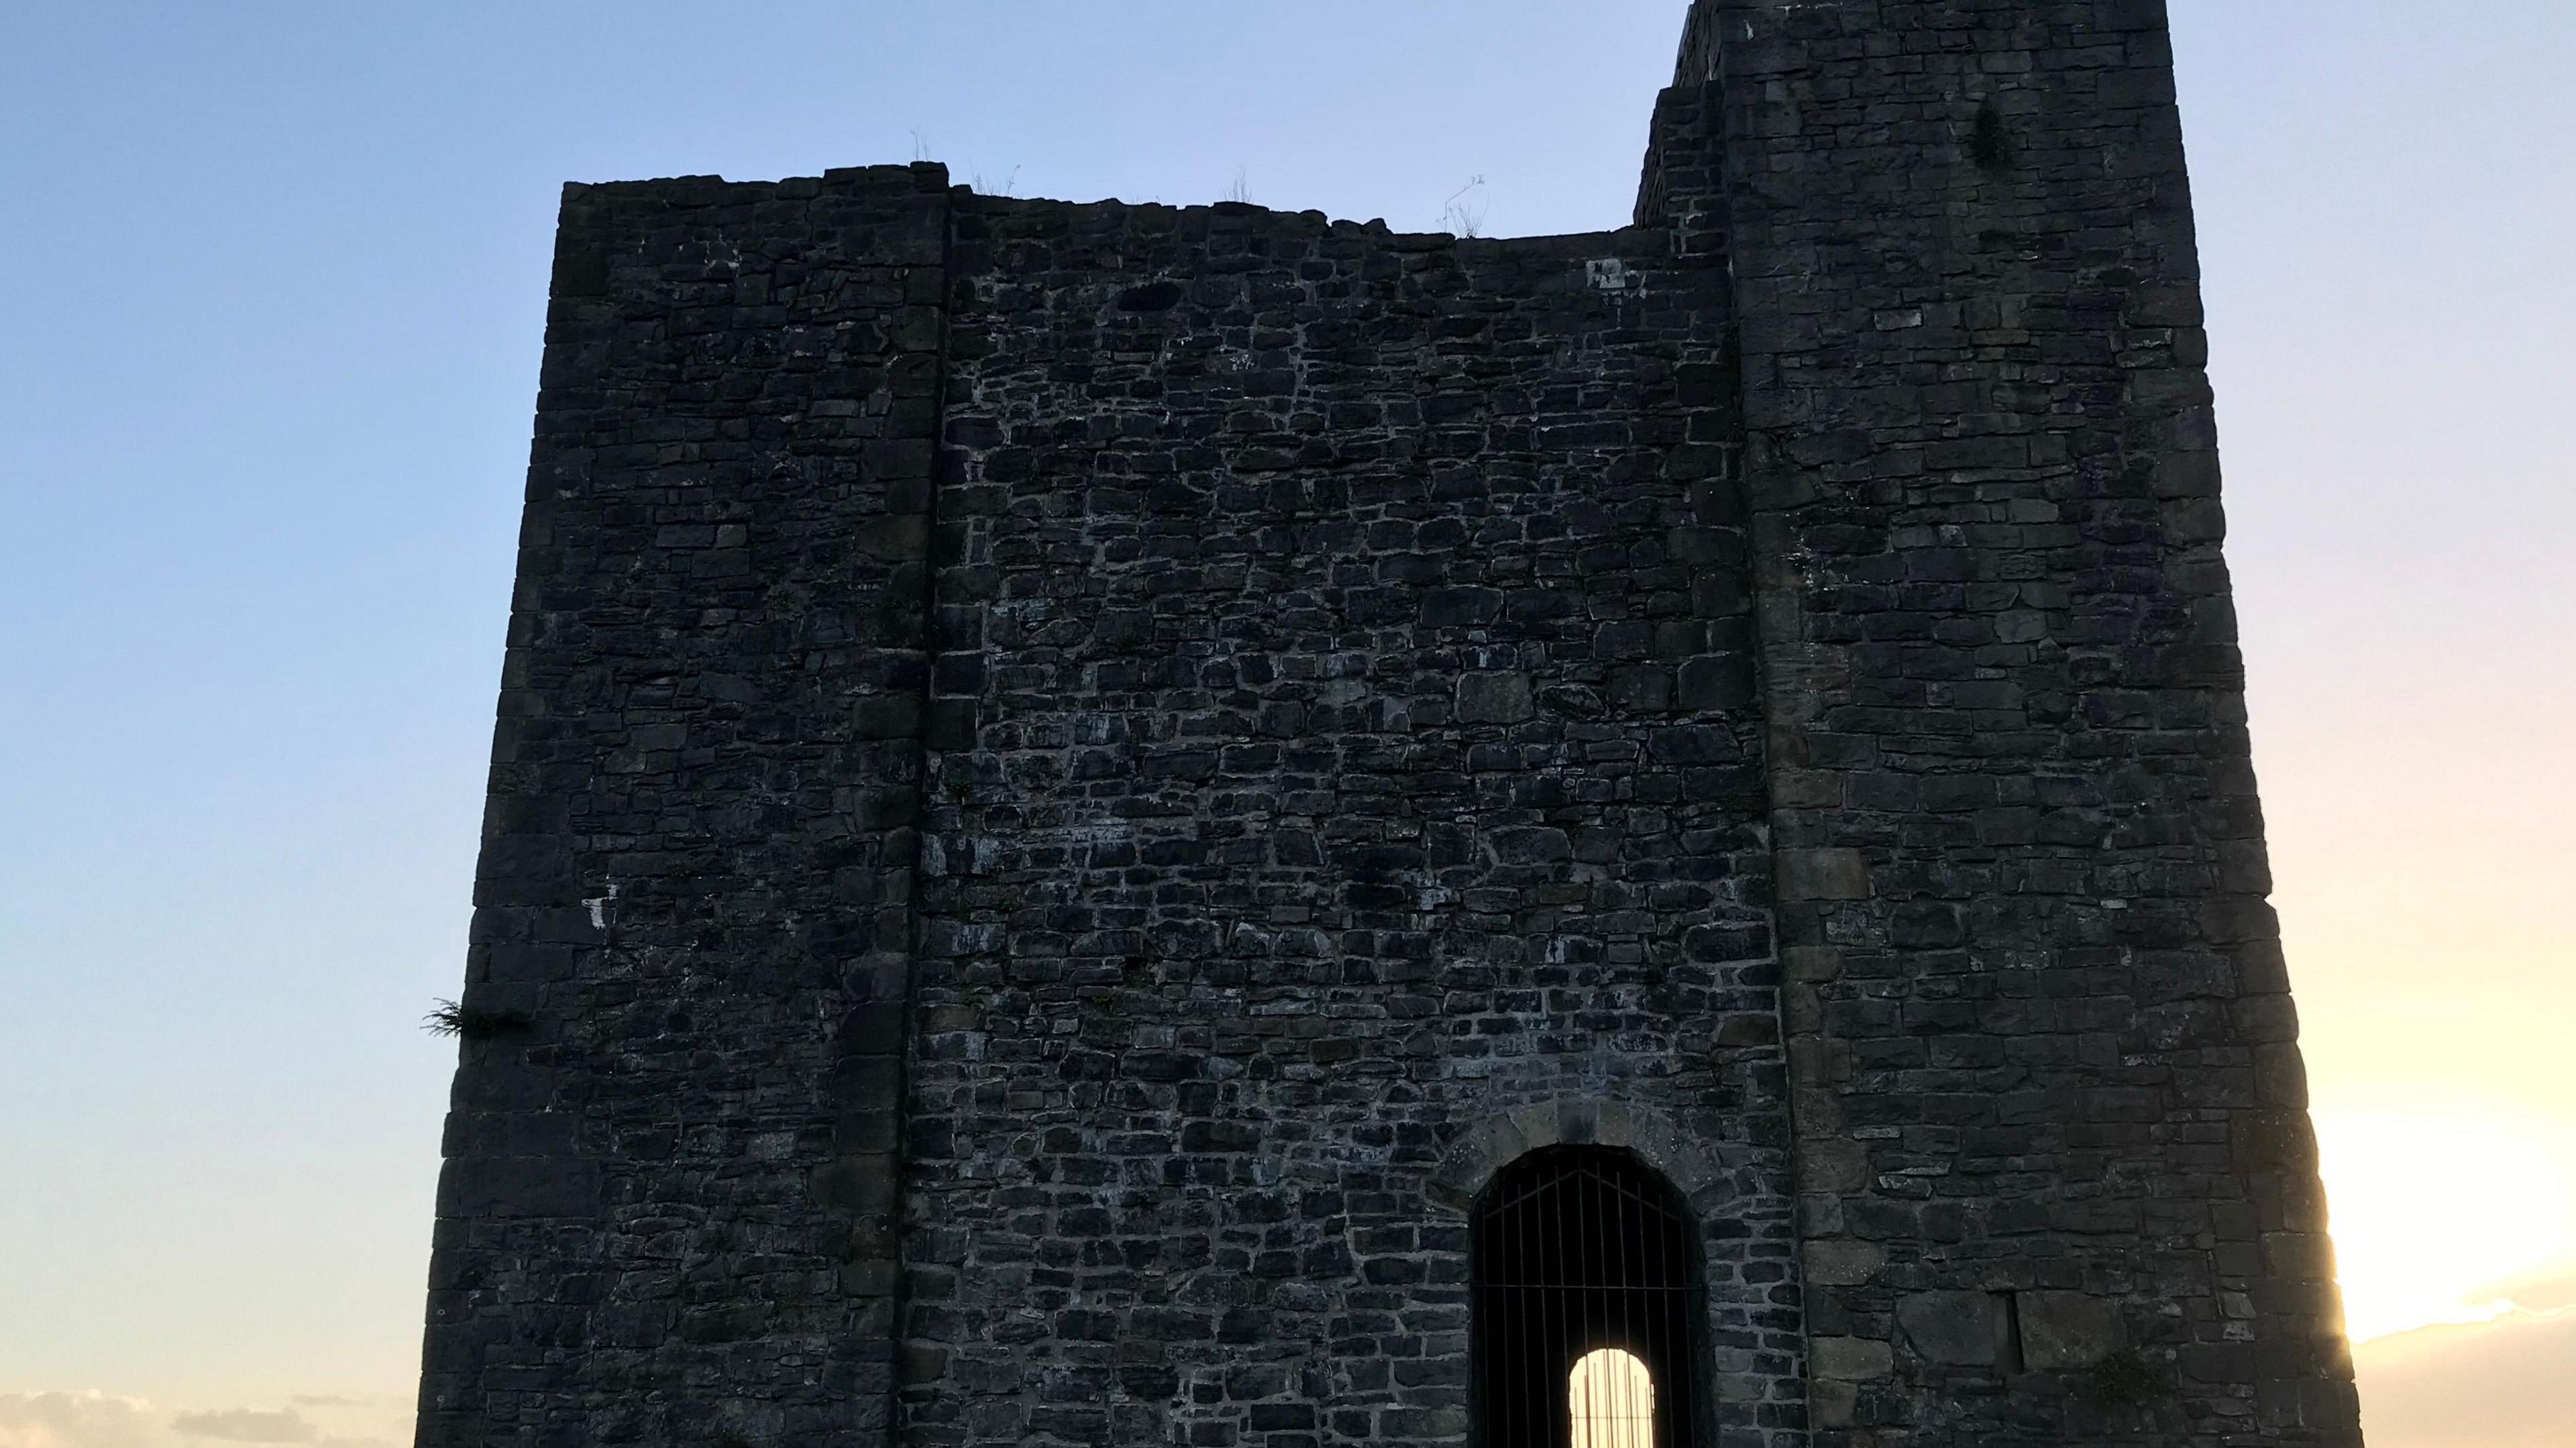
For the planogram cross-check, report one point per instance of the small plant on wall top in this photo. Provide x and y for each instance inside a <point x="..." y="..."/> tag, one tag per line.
<point x="1464" y="217"/>
<point x="448" y="1018"/>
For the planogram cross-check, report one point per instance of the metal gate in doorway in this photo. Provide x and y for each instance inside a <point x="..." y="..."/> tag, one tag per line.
<point x="1588" y="1305"/>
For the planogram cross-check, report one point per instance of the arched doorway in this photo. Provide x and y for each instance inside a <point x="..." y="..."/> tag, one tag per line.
<point x="1588" y="1304"/>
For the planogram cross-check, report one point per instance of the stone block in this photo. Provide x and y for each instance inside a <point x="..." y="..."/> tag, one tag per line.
<point x="888" y="716"/>
<point x="479" y="1188"/>
<point x="1822" y="874"/>
<point x="1843" y="1263"/>
<point x="896" y="538"/>
<point x="1953" y="1329"/>
<point x="2063" y="1331"/>
<point x="1832" y="1166"/>
<point x="1495" y="697"/>
<point x="1850" y="1359"/>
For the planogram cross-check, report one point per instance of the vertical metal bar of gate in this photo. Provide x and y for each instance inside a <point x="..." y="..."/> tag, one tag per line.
<point x="1519" y="1258"/>
<point x="1678" y="1331"/>
<point x="1554" y="1273"/>
<point x="1585" y="1274"/>
<point x="1534" y="1315"/>
<point x="1628" y="1277"/>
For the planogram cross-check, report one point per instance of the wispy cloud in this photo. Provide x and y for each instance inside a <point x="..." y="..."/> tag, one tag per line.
<point x="245" y="1425"/>
<point x="97" y="1420"/>
<point x="2553" y="1291"/>
<point x="2482" y="1386"/>
<point x="76" y="1420"/>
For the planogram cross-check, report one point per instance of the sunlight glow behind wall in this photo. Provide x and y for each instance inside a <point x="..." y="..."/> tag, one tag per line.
<point x="2433" y="1214"/>
<point x="1612" y="1397"/>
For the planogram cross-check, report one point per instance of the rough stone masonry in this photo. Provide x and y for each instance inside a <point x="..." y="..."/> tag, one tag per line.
<point x="1073" y="780"/>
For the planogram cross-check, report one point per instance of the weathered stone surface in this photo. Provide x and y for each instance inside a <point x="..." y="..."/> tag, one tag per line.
<point x="1504" y="698"/>
<point x="1072" y="781"/>
<point x="1955" y="1329"/>
<point x="1363" y="835"/>
<point x="2066" y="1330"/>
<point x="1999" y="659"/>
<point x="1851" y="1359"/>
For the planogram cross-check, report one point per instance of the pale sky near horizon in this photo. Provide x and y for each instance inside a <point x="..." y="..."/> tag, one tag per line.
<point x="272" y="278"/>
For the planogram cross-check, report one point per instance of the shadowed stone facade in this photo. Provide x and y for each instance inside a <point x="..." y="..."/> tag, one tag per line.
<point x="1074" y="780"/>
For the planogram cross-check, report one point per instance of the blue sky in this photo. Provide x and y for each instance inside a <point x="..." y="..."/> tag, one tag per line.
<point x="271" y="284"/>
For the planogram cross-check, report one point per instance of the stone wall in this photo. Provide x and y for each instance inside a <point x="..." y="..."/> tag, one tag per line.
<point x="1073" y="780"/>
<point x="663" y="1216"/>
<point x="2056" y="1173"/>
<point x="1352" y="641"/>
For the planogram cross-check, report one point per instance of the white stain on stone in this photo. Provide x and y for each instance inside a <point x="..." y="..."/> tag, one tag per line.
<point x="1610" y="274"/>
<point x="603" y="909"/>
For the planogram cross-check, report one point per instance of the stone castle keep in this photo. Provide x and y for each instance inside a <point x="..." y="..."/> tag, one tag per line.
<point x="1210" y="827"/>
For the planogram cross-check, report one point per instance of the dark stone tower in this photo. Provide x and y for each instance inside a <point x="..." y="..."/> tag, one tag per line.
<point x="1076" y="782"/>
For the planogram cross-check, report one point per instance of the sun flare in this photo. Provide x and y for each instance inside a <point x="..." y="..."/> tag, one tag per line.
<point x="2434" y="1215"/>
